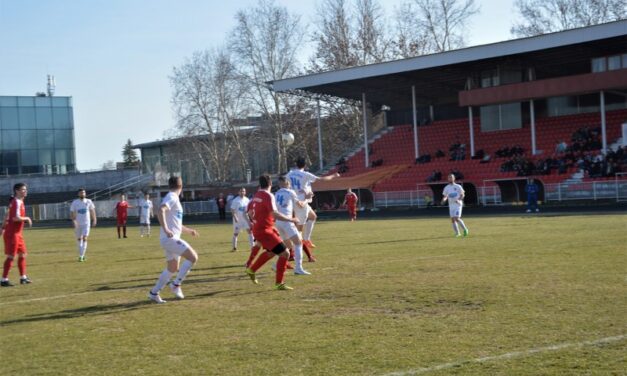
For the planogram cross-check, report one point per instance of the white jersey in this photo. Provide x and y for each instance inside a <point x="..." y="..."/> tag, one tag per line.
<point x="81" y="208"/>
<point x="453" y="192"/>
<point x="173" y="216"/>
<point x="145" y="207"/>
<point x="285" y="200"/>
<point x="301" y="182"/>
<point x="239" y="205"/>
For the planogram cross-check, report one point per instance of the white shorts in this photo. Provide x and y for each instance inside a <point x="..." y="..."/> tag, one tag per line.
<point x="144" y="221"/>
<point x="240" y="225"/>
<point x="286" y="229"/>
<point x="82" y="230"/>
<point x="301" y="213"/>
<point x="173" y="247"/>
<point x="455" y="211"/>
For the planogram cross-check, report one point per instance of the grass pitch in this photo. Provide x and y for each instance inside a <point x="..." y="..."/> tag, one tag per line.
<point x="521" y="295"/>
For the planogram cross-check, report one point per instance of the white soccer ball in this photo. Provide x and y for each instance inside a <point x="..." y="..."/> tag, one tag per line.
<point x="288" y="138"/>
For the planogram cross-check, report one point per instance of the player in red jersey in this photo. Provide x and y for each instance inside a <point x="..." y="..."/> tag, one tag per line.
<point x="350" y="200"/>
<point x="263" y="211"/>
<point x="121" y="212"/>
<point x="13" y="240"/>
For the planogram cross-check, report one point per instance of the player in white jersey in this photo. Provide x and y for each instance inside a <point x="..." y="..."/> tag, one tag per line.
<point x="170" y="216"/>
<point x="454" y="194"/>
<point x="287" y="201"/>
<point x="301" y="181"/>
<point x="239" y="206"/>
<point x="145" y="213"/>
<point x="83" y="214"/>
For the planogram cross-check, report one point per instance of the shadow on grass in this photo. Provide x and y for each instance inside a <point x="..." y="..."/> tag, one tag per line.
<point x="402" y="240"/>
<point x="192" y="280"/>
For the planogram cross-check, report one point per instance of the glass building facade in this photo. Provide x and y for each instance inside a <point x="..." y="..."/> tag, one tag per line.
<point x="36" y="135"/>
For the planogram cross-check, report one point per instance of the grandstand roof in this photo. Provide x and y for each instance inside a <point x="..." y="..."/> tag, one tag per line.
<point x="439" y="77"/>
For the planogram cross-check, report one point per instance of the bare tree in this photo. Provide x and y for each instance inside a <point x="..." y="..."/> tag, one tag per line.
<point x="208" y="101"/>
<point x="266" y="40"/>
<point x="425" y="26"/>
<point x="546" y="16"/>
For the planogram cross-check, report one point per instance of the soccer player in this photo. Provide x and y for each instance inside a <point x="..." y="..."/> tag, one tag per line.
<point x="145" y="213"/>
<point x="121" y="211"/>
<point x="301" y="183"/>
<point x="170" y="216"/>
<point x="454" y="193"/>
<point x="350" y="200"/>
<point x="286" y="200"/>
<point x="240" y="219"/>
<point x="263" y="211"/>
<point x="13" y="240"/>
<point x="82" y="213"/>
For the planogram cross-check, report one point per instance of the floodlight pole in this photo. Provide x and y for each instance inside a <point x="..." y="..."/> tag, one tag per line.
<point x="363" y="104"/>
<point x="413" y="103"/>
<point x="472" y="132"/>
<point x="532" y="114"/>
<point x="319" y="137"/>
<point x="603" y="125"/>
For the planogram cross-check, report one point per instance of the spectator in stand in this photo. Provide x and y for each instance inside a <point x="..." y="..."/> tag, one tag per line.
<point x="435" y="176"/>
<point x="425" y="158"/>
<point x="458" y="174"/>
<point x="560" y="147"/>
<point x="439" y="154"/>
<point x="532" y="190"/>
<point x="221" y="202"/>
<point x="485" y="158"/>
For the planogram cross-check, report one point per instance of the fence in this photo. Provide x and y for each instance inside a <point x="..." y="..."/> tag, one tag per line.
<point x="105" y="209"/>
<point x="489" y="195"/>
<point x="594" y="190"/>
<point x="402" y="198"/>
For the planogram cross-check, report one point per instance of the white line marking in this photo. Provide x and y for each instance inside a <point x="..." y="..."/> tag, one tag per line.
<point x="510" y="355"/>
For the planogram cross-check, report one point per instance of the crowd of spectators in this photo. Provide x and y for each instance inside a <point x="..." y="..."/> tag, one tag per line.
<point x="342" y="167"/>
<point x="457" y="152"/>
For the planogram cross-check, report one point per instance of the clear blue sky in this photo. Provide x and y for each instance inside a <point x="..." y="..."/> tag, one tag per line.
<point x="114" y="57"/>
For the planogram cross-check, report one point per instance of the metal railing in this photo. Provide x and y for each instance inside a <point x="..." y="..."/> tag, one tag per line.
<point x="490" y="195"/>
<point x="402" y="198"/>
<point x="107" y="192"/>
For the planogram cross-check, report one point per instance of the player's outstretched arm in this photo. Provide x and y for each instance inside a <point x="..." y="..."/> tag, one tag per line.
<point x="329" y="177"/>
<point x="189" y="231"/>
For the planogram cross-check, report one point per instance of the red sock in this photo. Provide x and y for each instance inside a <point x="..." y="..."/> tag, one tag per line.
<point x="306" y="250"/>
<point x="21" y="265"/>
<point x="124" y="230"/>
<point x="7" y="266"/>
<point x="281" y="265"/>
<point x="118" y="231"/>
<point x="253" y="253"/>
<point x="262" y="259"/>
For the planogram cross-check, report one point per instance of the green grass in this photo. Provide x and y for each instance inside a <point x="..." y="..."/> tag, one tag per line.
<point x="385" y="296"/>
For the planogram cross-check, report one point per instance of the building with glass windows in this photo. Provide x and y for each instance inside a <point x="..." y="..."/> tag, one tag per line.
<point x="36" y="135"/>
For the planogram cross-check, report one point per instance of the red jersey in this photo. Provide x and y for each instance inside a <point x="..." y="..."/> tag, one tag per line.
<point x="351" y="199"/>
<point x="262" y="208"/>
<point x="122" y="209"/>
<point x="16" y="208"/>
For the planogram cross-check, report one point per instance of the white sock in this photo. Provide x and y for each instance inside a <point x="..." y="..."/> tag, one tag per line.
<point x="462" y="224"/>
<point x="308" y="229"/>
<point x="298" y="256"/>
<point x="79" y="244"/>
<point x="183" y="270"/>
<point x="83" y="249"/>
<point x="235" y="241"/>
<point x="455" y="228"/>
<point x="164" y="278"/>
<point x="148" y="229"/>
<point x="251" y="240"/>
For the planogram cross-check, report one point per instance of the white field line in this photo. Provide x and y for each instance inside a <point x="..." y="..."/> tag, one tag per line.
<point x="60" y="296"/>
<point x="510" y="355"/>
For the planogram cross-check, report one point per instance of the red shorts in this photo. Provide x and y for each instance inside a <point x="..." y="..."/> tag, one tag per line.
<point x="352" y="211"/>
<point x="268" y="239"/>
<point x="121" y="221"/>
<point x="14" y="245"/>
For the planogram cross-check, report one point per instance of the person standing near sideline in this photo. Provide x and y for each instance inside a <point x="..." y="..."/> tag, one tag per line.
<point x="170" y="216"/>
<point x="350" y="200"/>
<point x="239" y="205"/>
<point x="532" y="195"/>
<point x="13" y="240"/>
<point x="145" y="213"/>
<point x="82" y="212"/>
<point x="221" y="202"/>
<point x="121" y="212"/>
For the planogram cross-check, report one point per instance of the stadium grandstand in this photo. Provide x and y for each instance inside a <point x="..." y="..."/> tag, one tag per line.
<point x="551" y="107"/>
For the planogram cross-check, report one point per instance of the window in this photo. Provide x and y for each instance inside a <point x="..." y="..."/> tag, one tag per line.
<point x="25" y="101"/>
<point x="8" y="101"/>
<point x="613" y="62"/>
<point x="44" y="117"/>
<point x="45" y="157"/>
<point x="624" y="63"/>
<point x="500" y="117"/>
<point x="63" y="139"/>
<point x="8" y="118"/>
<point x="60" y="102"/>
<point x="598" y="64"/>
<point x="28" y="139"/>
<point x="45" y="139"/>
<point x="63" y="157"/>
<point x="61" y="118"/>
<point x="43" y="101"/>
<point x="30" y="158"/>
<point x="27" y="117"/>
<point x="10" y="140"/>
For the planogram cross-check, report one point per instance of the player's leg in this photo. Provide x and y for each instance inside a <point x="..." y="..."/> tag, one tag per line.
<point x="10" y="250"/>
<point x="309" y="225"/>
<point x="119" y="225"/>
<point x="84" y="249"/>
<point x="279" y="281"/>
<point x="455" y="228"/>
<point x="190" y="257"/>
<point x="298" y="254"/>
<point x="142" y="229"/>
<point x="251" y="239"/>
<point x="254" y="250"/>
<point x="21" y="265"/>
<point x="172" y="264"/>
<point x="79" y="242"/>
<point x="124" y="228"/>
<point x="235" y="235"/>
<point x="148" y="228"/>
